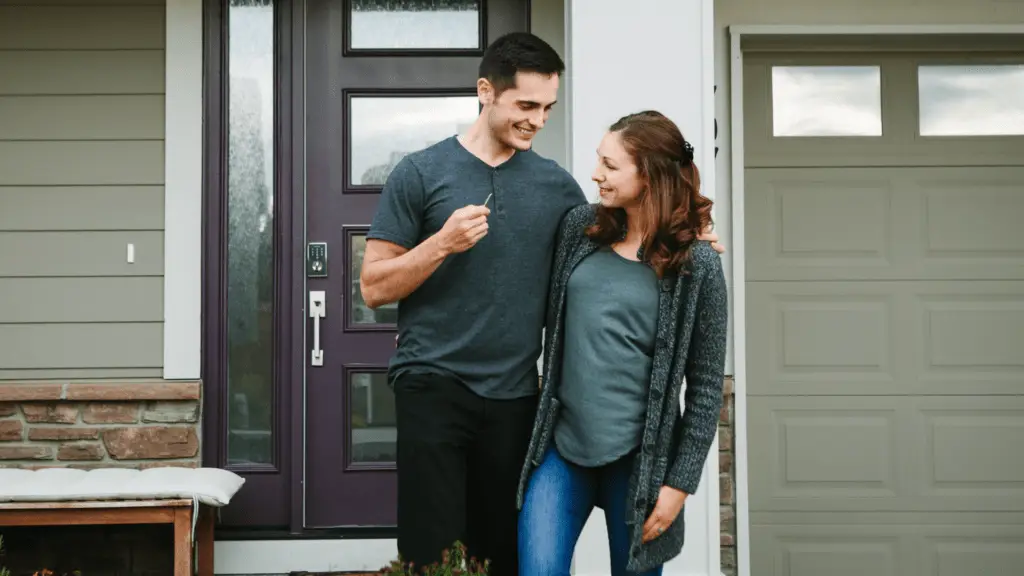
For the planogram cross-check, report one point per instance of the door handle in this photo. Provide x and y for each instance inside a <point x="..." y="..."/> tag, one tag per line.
<point x="317" y="310"/>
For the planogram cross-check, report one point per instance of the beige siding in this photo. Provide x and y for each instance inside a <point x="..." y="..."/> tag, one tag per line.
<point x="42" y="208"/>
<point x="61" y="72"/>
<point x="83" y="117"/>
<point x="81" y="27"/>
<point x="81" y="180"/>
<point x="81" y="162"/>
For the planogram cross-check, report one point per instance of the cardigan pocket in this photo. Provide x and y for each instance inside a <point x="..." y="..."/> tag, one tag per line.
<point x="546" y="431"/>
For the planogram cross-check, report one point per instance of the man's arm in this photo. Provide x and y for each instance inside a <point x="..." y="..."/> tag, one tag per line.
<point x="391" y="272"/>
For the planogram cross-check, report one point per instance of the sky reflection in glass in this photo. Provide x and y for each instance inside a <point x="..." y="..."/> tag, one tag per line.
<point x="826" y="101"/>
<point x="971" y="100"/>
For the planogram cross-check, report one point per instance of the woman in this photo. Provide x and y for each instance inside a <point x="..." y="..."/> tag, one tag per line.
<point x="636" y="304"/>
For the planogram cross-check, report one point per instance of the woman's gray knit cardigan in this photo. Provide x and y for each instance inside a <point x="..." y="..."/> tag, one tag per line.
<point x="690" y="343"/>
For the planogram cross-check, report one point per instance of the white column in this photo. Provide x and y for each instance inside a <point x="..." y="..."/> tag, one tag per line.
<point x="625" y="57"/>
<point x="183" y="189"/>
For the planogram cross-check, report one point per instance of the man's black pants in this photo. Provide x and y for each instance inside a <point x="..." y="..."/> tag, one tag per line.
<point x="459" y="459"/>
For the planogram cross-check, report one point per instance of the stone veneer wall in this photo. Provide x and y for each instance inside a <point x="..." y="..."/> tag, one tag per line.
<point x="726" y="479"/>
<point x="95" y="424"/>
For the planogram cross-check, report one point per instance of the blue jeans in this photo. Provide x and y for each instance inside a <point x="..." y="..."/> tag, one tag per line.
<point x="559" y="498"/>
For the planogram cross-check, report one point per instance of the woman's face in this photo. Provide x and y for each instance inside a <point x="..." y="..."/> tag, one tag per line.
<point x="616" y="175"/>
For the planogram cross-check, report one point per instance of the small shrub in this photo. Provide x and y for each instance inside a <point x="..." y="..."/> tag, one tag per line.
<point x="453" y="563"/>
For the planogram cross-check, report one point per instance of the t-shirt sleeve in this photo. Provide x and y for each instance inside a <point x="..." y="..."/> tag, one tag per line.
<point x="399" y="217"/>
<point x="573" y="192"/>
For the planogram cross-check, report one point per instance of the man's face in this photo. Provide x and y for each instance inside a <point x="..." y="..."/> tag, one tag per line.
<point x="516" y="115"/>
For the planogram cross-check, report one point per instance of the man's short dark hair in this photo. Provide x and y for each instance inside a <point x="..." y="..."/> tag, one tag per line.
<point x="518" y="52"/>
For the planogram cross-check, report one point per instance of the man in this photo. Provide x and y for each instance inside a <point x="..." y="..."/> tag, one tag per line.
<point x="463" y="240"/>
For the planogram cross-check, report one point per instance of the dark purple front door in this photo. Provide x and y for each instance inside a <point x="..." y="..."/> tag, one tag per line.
<point x="383" y="78"/>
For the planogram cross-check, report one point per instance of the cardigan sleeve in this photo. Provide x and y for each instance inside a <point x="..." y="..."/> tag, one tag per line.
<point x="565" y="240"/>
<point x="705" y="375"/>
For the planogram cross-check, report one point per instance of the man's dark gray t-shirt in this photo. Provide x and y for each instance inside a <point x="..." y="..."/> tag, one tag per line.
<point x="480" y="315"/>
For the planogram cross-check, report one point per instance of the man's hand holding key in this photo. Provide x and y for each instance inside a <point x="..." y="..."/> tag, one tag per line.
<point x="464" y="228"/>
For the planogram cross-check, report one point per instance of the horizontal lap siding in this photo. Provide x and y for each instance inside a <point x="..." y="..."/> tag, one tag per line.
<point x="81" y="178"/>
<point x="67" y="72"/>
<point x="81" y="163"/>
<point x="101" y="117"/>
<point x="84" y="27"/>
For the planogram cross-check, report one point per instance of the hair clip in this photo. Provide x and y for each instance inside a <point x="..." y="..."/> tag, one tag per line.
<point x="687" y="151"/>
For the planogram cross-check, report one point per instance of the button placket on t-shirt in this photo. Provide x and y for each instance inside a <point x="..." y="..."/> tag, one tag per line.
<point x="498" y="199"/>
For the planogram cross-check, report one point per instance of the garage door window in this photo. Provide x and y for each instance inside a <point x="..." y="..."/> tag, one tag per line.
<point x="971" y="100"/>
<point x="826" y="101"/>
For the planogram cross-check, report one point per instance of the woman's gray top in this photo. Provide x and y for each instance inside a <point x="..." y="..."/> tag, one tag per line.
<point x="611" y="318"/>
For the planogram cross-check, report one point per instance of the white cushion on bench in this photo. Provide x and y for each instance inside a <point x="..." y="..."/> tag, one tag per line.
<point x="211" y="486"/>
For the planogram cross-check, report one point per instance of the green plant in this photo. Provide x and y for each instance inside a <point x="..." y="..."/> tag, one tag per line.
<point x="453" y="563"/>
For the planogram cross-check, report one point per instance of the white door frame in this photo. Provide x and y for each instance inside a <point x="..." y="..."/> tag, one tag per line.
<point x="738" y="164"/>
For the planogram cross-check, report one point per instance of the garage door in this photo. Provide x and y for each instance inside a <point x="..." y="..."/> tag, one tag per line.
<point x="885" y="313"/>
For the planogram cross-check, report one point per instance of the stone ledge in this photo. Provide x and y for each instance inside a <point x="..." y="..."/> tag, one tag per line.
<point x="29" y="391"/>
<point x="726" y="478"/>
<point x="100" y="391"/>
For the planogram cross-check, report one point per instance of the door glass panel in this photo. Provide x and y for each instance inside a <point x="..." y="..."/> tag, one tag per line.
<point x="971" y="100"/>
<point x="385" y="129"/>
<point x="826" y="101"/>
<point x="372" y="411"/>
<point x="250" y="223"/>
<point x="359" y="312"/>
<point x="414" y="24"/>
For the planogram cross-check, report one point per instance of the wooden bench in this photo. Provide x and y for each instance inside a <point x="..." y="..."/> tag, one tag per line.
<point x="94" y="512"/>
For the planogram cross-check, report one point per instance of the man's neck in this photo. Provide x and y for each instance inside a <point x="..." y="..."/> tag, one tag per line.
<point x="481" y="143"/>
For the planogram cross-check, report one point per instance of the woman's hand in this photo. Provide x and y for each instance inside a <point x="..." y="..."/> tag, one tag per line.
<point x="670" y="503"/>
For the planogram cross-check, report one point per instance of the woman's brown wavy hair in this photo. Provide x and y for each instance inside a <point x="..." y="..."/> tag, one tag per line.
<point x="673" y="210"/>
